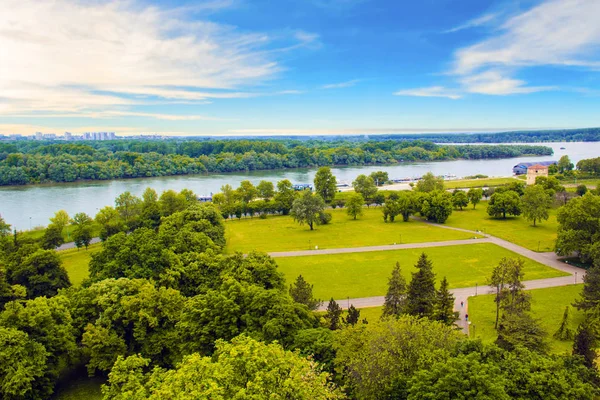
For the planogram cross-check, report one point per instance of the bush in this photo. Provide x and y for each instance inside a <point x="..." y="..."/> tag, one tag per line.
<point x="324" y="218"/>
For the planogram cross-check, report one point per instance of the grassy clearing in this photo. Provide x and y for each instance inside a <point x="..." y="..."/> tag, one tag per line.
<point x="548" y="305"/>
<point x="76" y="262"/>
<point x="67" y="233"/>
<point x="366" y="274"/>
<point x="475" y="183"/>
<point x="281" y="233"/>
<point x="514" y="229"/>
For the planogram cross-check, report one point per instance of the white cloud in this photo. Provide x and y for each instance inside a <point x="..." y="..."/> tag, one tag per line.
<point x="75" y="56"/>
<point x="341" y="84"/>
<point x="432" y="91"/>
<point x="557" y="32"/>
<point x="495" y="83"/>
<point x="475" y="22"/>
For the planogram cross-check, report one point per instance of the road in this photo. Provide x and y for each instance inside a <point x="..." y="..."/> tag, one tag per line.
<point x="71" y="245"/>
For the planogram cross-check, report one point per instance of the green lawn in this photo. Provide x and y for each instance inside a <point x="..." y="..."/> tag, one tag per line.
<point x="473" y="183"/>
<point x="280" y="233"/>
<point x="76" y="262"/>
<point x="548" y="305"/>
<point x="514" y="229"/>
<point x="67" y="233"/>
<point x="366" y="274"/>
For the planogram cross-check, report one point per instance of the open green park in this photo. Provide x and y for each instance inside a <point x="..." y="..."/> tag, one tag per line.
<point x="547" y="305"/>
<point x="76" y="262"/>
<point x="366" y="274"/>
<point x="478" y="183"/>
<point x="282" y="233"/>
<point x="517" y="230"/>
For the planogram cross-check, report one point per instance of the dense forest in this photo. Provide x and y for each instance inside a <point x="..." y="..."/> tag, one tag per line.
<point x="30" y="162"/>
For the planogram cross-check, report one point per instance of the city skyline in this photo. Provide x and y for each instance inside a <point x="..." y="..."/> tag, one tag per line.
<point x="240" y="67"/>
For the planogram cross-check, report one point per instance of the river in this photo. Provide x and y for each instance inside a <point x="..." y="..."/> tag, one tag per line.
<point x="25" y="207"/>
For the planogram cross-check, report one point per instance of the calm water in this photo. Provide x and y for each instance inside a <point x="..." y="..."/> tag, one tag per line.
<point x="29" y="206"/>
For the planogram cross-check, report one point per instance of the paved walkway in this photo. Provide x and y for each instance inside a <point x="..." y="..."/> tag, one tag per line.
<point x="71" y="245"/>
<point x="461" y="294"/>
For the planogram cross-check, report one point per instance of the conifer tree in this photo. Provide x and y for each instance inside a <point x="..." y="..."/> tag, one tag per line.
<point x="301" y="292"/>
<point x="585" y="341"/>
<point x="590" y="295"/>
<point x="444" y="305"/>
<point x="564" y="332"/>
<point x="395" y="298"/>
<point x="333" y="315"/>
<point x="353" y="315"/>
<point x="420" y="300"/>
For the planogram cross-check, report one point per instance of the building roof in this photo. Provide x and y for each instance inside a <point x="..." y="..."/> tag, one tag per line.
<point x="537" y="166"/>
<point x="529" y="164"/>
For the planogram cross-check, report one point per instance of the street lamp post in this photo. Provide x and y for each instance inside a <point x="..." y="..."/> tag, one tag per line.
<point x="475" y="288"/>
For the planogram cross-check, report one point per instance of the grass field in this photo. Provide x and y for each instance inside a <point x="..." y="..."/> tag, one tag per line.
<point x="67" y="233"/>
<point x="280" y="233"/>
<point x="366" y="274"/>
<point x="76" y="262"/>
<point x="514" y="229"/>
<point x="548" y="305"/>
<point x="474" y="183"/>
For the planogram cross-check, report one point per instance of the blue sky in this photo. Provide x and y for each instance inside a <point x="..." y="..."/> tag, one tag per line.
<point x="236" y="67"/>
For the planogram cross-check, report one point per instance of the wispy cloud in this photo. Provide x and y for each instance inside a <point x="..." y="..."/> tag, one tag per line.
<point x="102" y="56"/>
<point x="475" y="22"/>
<point x="432" y="91"/>
<point x="341" y="84"/>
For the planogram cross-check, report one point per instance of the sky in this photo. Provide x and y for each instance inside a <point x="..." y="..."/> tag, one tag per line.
<point x="264" y="67"/>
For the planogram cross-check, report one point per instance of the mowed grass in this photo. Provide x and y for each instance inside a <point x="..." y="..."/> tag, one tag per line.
<point x="547" y="305"/>
<point x="475" y="183"/>
<point x="81" y="389"/>
<point x="76" y="262"/>
<point x="281" y="233"/>
<point x="366" y="274"/>
<point x="513" y="229"/>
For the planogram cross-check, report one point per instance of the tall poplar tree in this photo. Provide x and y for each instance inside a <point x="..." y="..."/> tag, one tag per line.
<point x="395" y="298"/>
<point x="421" y="296"/>
<point x="325" y="184"/>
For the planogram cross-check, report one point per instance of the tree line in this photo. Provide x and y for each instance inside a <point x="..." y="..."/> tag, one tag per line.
<point x="25" y="162"/>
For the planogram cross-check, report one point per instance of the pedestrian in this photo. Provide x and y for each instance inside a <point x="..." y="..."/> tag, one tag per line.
<point x="467" y="317"/>
<point x="462" y="303"/>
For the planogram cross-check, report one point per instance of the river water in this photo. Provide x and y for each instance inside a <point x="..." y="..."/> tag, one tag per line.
<point x="25" y="207"/>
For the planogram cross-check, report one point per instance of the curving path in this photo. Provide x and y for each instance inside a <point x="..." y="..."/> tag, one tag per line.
<point x="461" y="295"/>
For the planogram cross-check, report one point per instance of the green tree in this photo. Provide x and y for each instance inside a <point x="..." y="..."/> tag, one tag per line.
<point x="52" y="237"/>
<point x="581" y="190"/>
<point x="460" y="199"/>
<point x="379" y="358"/>
<point x="506" y="281"/>
<point x="317" y="343"/>
<point x="503" y="203"/>
<point x="110" y="222"/>
<point x="325" y="184"/>
<point x="585" y="344"/>
<point x="590" y="295"/>
<point x="365" y="186"/>
<point x="333" y="315"/>
<point x="444" y="305"/>
<point x="265" y="190"/>
<point x="22" y="366"/>
<point x="129" y="208"/>
<point x="302" y="292"/>
<point x="395" y="298"/>
<point x="565" y="164"/>
<point x="244" y="368"/>
<point x="82" y="234"/>
<point x="353" y="315"/>
<point x="284" y="198"/>
<point x="380" y="177"/>
<point x="61" y="219"/>
<point x="41" y="273"/>
<point x="150" y="214"/>
<point x="391" y="209"/>
<point x="475" y="195"/>
<point x="429" y="183"/>
<point x="564" y="332"/>
<point x="421" y="293"/>
<point x="306" y="209"/>
<point x="536" y="203"/>
<point x="246" y="191"/>
<point x="579" y="228"/>
<point x="4" y="228"/>
<point x="354" y="205"/>
<point x="437" y="206"/>
<point x="171" y="202"/>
